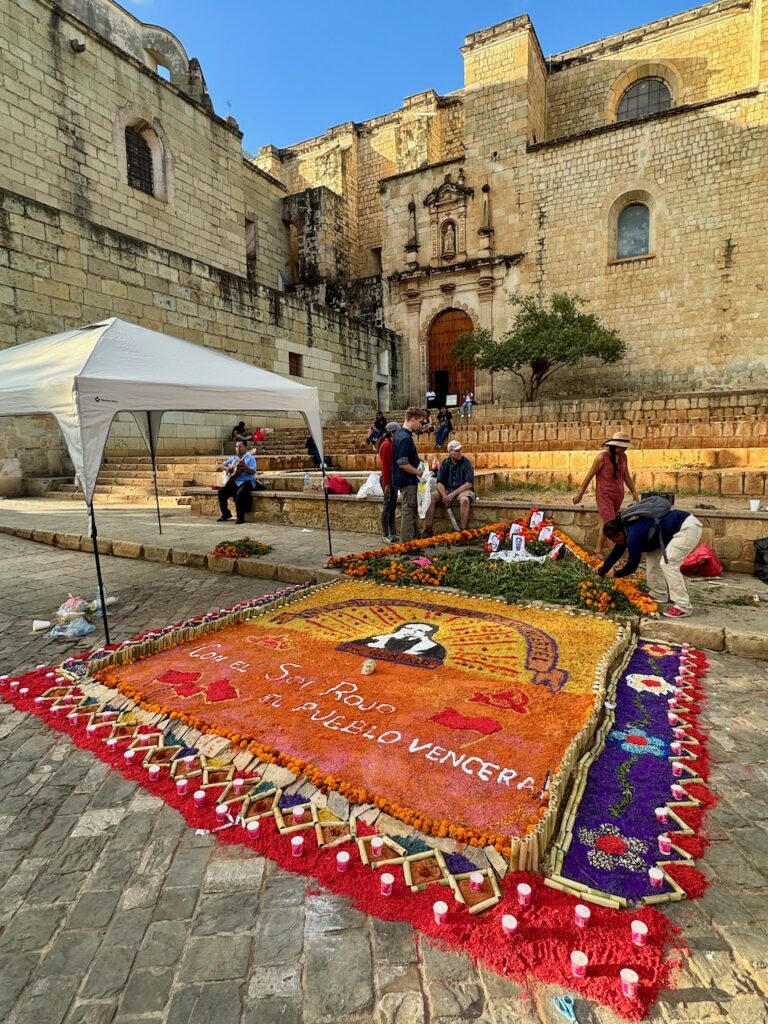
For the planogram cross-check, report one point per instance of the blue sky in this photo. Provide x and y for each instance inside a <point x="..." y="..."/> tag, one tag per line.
<point x="290" y="70"/>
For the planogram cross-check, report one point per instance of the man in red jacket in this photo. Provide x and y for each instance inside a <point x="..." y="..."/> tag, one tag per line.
<point x="389" y="508"/>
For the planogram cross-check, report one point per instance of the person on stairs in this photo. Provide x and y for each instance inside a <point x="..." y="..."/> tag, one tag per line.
<point x="610" y="472"/>
<point x="240" y="484"/>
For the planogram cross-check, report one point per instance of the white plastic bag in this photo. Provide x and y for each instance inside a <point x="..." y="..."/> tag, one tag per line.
<point x="426" y="487"/>
<point x="371" y="488"/>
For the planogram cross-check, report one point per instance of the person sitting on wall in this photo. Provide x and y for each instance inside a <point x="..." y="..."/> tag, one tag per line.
<point x="444" y="426"/>
<point x="455" y="480"/>
<point x="378" y="428"/>
<point x="425" y="424"/>
<point x="241" y="432"/>
<point x="466" y="405"/>
<point x="240" y="484"/>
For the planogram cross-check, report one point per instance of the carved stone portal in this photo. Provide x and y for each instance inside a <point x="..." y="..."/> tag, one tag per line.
<point x="447" y="205"/>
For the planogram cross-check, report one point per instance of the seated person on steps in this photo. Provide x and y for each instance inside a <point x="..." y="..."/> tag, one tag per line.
<point x="241" y="432"/>
<point x="454" y="484"/>
<point x="241" y="481"/>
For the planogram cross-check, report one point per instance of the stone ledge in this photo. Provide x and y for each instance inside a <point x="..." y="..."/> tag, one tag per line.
<point x="711" y="638"/>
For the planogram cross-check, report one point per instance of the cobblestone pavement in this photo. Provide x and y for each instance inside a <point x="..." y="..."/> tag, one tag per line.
<point x="113" y="910"/>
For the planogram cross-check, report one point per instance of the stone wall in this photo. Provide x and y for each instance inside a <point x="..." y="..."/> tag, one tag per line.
<point x="79" y="272"/>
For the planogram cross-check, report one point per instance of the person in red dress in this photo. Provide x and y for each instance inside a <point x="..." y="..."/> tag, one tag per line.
<point x="610" y="472"/>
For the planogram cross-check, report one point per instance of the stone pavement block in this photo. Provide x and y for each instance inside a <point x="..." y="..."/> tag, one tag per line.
<point x="283" y="890"/>
<point x="746" y="1009"/>
<point x="341" y="965"/>
<point x="281" y="981"/>
<point x="46" y="1000"/>
<point x="450" y="1002"/>
<point x="156" y="553"/>
<point x="114" y="792"/>
<point x="143" y="892"/>
<point x="515" y="1011"/>
<point x="97" y="822"/>
<point x="50" y="889"/>
<point x="222" y="564"/>
<point x="157" y="855"/>
<point x="746" y="645"/>
<point x="331" y="914"/>
<point x="146" y="991"/>
<point x="162" y="945"/>
<point x="397" y="978"/>
<point x="749" y="945"/>
<point x="71" y="953"/>
<point x="176" y="904"/>
<point x="68" y="541"/>
<point x="254" y="568"/>
<point x="394" y="942"/>
<point x="294" y="574"/>
<point x="189" y="558"/>
<point x="31" y="929"/>
<point x="91" y="1013"/>
<point x="273" y="1011"/>
<point x="76" y="854"/>
<point x="135" y="829"/>
<point x="188" y="867"/>
<point x="226" y="958"/>
<point x="128" y="927"/>
<point x="440" y="965"/>
<point x="233" y="874"/>
<point x="279" y="935"/>
<point x="15" y="971"/>
<point x="231" y="912"/>
<point x="500" y="988"/>
<point x="109" y="973"/>
<point x="400" y="1008"/>
<point x="115" y="867"/>
<point x="217" y="1002"/>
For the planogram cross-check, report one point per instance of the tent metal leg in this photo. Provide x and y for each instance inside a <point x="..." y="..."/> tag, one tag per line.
<point x="154" y="475"/>
<point x="327" y="513"/>
<point x="102" y="596"/>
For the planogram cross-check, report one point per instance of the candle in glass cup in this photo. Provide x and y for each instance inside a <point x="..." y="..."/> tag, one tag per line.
<point x="477" y="881"/>
<point x="679" y="733"/>
<point x="24" y="691"/>
<point x="342" y="861"/>
<point x="154" y="772"/>
<point x="298" y="815"/>
<point x="199" y="797"/>
<point x="440" y="911"/>
<point x="629" y="982"/>
<point x="39" y="701"/>
<point x="388" y="884"/>
<point x="672" y="718"/>
<point x="676" y="747"/>
<point x="181" y="786"/>
<point x="222" y="811"/>
<point x="677" y="769"/>
<point x="524" y="894"/>
<point x="377" y="845"/>
<point x="509" y="925"/>
<point x="15" y="684"/>
<point x="112" y="743"/>
<point x="129" y="755"/>
<point x="662" y="815"/>
<point x="252" y="827"/>
<point x="237" y="786"/>
<point x="639" y="932"/>
<point x="656" y="876"/>
<point x="582" y="915"/>
<point x="677" y="791"/>
<point x="665" y="844"/>
<point x="579" y="962"/>
<point x="297" y="846"/>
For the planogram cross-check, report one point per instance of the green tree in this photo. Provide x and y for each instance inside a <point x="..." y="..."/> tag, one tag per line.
<point x="543" y="339"/>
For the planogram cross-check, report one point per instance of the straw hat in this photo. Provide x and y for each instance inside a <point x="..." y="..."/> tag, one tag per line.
<point x="618" y="439"/>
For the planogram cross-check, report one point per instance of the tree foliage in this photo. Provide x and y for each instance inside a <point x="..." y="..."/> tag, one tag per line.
<point x="543" y="339"/>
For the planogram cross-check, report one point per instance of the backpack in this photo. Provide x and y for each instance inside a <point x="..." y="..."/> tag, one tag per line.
<point x="653" y="507"/>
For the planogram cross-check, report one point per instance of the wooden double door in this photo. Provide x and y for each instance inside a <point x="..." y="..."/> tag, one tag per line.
<point x="445" y="375"/>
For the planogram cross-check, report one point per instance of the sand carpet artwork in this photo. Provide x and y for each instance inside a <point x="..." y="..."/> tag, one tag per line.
<point x="516" y="765"/>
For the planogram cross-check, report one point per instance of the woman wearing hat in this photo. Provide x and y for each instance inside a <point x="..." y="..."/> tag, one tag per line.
<point x="611" y="475"/>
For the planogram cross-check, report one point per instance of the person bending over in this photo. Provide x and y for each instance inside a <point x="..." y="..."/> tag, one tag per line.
<point x="241" y="480"/>
<point x="454" y="483"/>
<point x="665" y="543"/>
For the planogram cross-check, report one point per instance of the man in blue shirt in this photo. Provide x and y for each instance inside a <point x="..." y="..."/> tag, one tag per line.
<point x="241" y="480"/>
<point x="665" y="545"/>
<point x="405" y="473"/>
<point x="454" y="483"/>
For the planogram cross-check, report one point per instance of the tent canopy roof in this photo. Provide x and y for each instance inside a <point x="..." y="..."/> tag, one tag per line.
<point x="85" y="376"/>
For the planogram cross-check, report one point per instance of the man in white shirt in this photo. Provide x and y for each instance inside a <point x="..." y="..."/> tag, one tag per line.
<point x="241" y="479"/>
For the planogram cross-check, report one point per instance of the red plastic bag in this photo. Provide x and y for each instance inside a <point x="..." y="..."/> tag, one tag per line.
<point x="338" y="485"/>
<point x="702" y="561"/>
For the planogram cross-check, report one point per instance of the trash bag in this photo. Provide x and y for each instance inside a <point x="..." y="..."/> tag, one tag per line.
<point x="338" y="485"/>
<point x="761" y="559"/>
<point x="71" y="630"/>
<point x="371" y="488"/>
<point x="426" y="486"/>
<point x="72" y="608"/>
<point x="702" y="561"/>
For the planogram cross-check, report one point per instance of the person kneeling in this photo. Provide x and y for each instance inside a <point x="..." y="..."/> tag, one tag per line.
<point x="666" y="542"/>
<point x="241" y="481"/>
<point x="454" y="484"/>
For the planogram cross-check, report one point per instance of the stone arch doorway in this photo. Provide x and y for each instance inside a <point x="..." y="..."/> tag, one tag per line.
<point x="445" y="376"/>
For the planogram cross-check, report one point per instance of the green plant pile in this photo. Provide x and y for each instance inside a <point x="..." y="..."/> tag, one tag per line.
<point x="243" y="548"/>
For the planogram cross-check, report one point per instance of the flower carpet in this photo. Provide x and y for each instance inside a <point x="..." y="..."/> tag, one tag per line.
<point x="157" y="714"/>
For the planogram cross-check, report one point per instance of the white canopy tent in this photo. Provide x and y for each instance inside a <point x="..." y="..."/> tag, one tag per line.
<point x="85" y="376"/>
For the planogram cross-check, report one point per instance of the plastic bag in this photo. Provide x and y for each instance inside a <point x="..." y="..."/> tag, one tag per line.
<point x="761" y="559"/>
<point x="426" y="486"/>
<point x="702" y="561"/>
<point x="371" y="488"/>
<point x="72" y="608"/>
<point x="338" y="485"/>
<point x="71" y="630"/>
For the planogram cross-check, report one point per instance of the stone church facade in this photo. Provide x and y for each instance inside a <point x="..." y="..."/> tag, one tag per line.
<point x="632" y="171"/>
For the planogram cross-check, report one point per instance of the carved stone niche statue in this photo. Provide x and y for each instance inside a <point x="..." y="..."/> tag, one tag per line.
<point x="412" y="244"/>
<point x="448" y="248"/>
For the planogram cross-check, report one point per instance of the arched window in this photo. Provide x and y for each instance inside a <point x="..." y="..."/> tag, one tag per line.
<point x="138" y="155"/>
<point x="647" y="96"/>
<point x="633" y="231"/>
